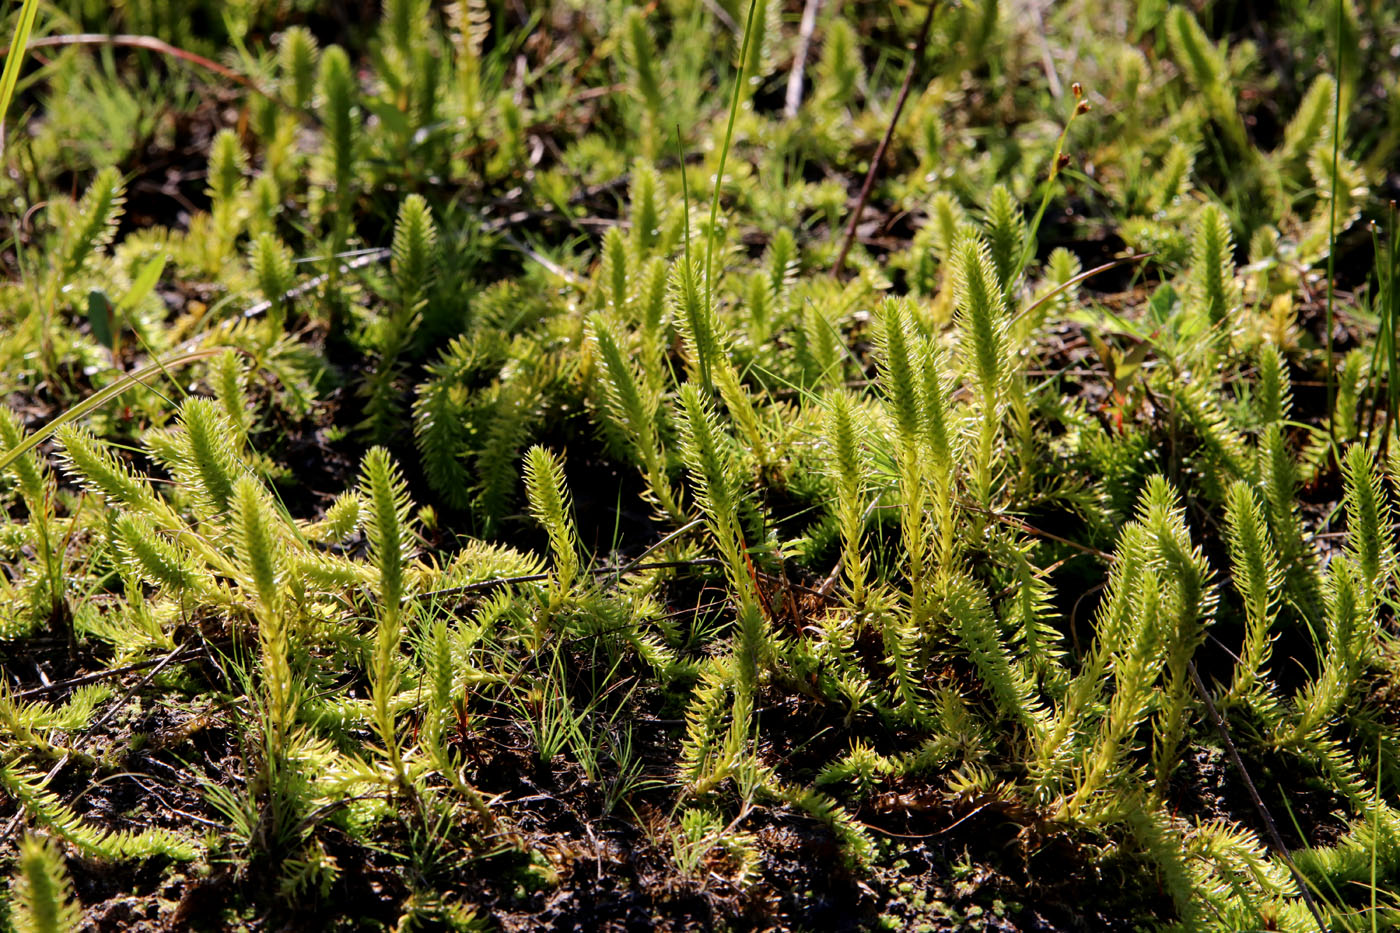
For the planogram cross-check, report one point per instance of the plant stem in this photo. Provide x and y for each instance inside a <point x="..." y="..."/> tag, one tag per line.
<point x="915" y="57"/>
<point x="15" y="59"/>
<point x="793" y="100"/>
<point x="1214" y="715"/>
<point x="724" y="153"/>
<point x="1332" y="238"/>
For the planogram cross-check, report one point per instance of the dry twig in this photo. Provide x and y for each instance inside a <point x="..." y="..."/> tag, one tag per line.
<point x="915" y="57"/>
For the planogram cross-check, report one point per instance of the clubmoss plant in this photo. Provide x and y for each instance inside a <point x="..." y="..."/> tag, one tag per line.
<point x="1025" y="525"/>
<point x="387" y="509"/>
<point x="41" y="890"/>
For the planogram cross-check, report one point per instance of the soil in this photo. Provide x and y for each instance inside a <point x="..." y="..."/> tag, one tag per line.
<point x="559" y="859"/>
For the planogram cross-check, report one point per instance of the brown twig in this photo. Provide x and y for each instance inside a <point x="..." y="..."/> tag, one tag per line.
<point x="1046" y="59"/>
<point x="636" y="561"/>
<point x="915" y="57"/>
<point x="1021" y="525"/>
<point x="359" y="259"/>
<point x="1214" y="715"/>
<point x="86" y="679"/>
<point x="1070" y="283"/>
<point x="152" y="44"/>
<point x="113" y="708"/>
<point x="829" y="581"/>
<point x="793" y="101"/>
<point x="721" y="14"/>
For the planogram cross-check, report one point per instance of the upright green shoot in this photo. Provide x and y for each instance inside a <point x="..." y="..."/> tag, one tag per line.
<point x="551" y="507"/>
<point x="14" y="61"/>
<point x="902" y="381"/>
<point x="1385" y="356"/>
<point x="386" y="525"/>
<point x="42" y="891"/>
<point x="1047" y="190"/>
<point x="1338" y="35"/>
<point x="337" y="93"/>
<point x="982" y="321"/>
<point x="740" y="85"/>
<point x="850" y="475"/>
<point x="1257" y="579"/>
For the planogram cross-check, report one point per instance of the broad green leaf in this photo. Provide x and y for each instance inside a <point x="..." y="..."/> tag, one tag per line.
<point x="141" y="286"/>
<point x="101" y="318"/>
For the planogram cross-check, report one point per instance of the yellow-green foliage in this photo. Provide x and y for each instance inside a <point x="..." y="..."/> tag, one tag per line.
<point x="41" y="891"/>
<point x="550" y="505"/>
<point x="432" y="462"/>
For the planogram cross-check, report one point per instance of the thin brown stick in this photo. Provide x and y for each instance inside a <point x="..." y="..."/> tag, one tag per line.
<point x="1214" y="715"/>
<point x="915" y="57"/>
<point x="1034" y="532"/>
<point x="830" y="580"/>
<point x="114" y="707"/>
<point x="721" y="14"/>
<point x="1046" y="59"/>
<point x="362" y="258"/>
<point x="1070" y="283"/>
<point x="636" y="561"/>
<point x="152" y="44"/>
<point x="99" y="676"/>
<point x="792" y="102"/>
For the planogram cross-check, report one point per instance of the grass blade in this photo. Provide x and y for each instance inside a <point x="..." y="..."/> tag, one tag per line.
<point x="97" y="399"/>
<point x="14" y="60"/>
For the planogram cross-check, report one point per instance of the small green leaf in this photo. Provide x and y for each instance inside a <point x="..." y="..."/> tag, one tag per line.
<point x="394" y="119"/>
<point x="1106" y="354"/>
<point x="1163" y="303"/>
<point x="100" y="318"/>
<point x="1130" y="362"/>
<point x="141" y="286"/>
